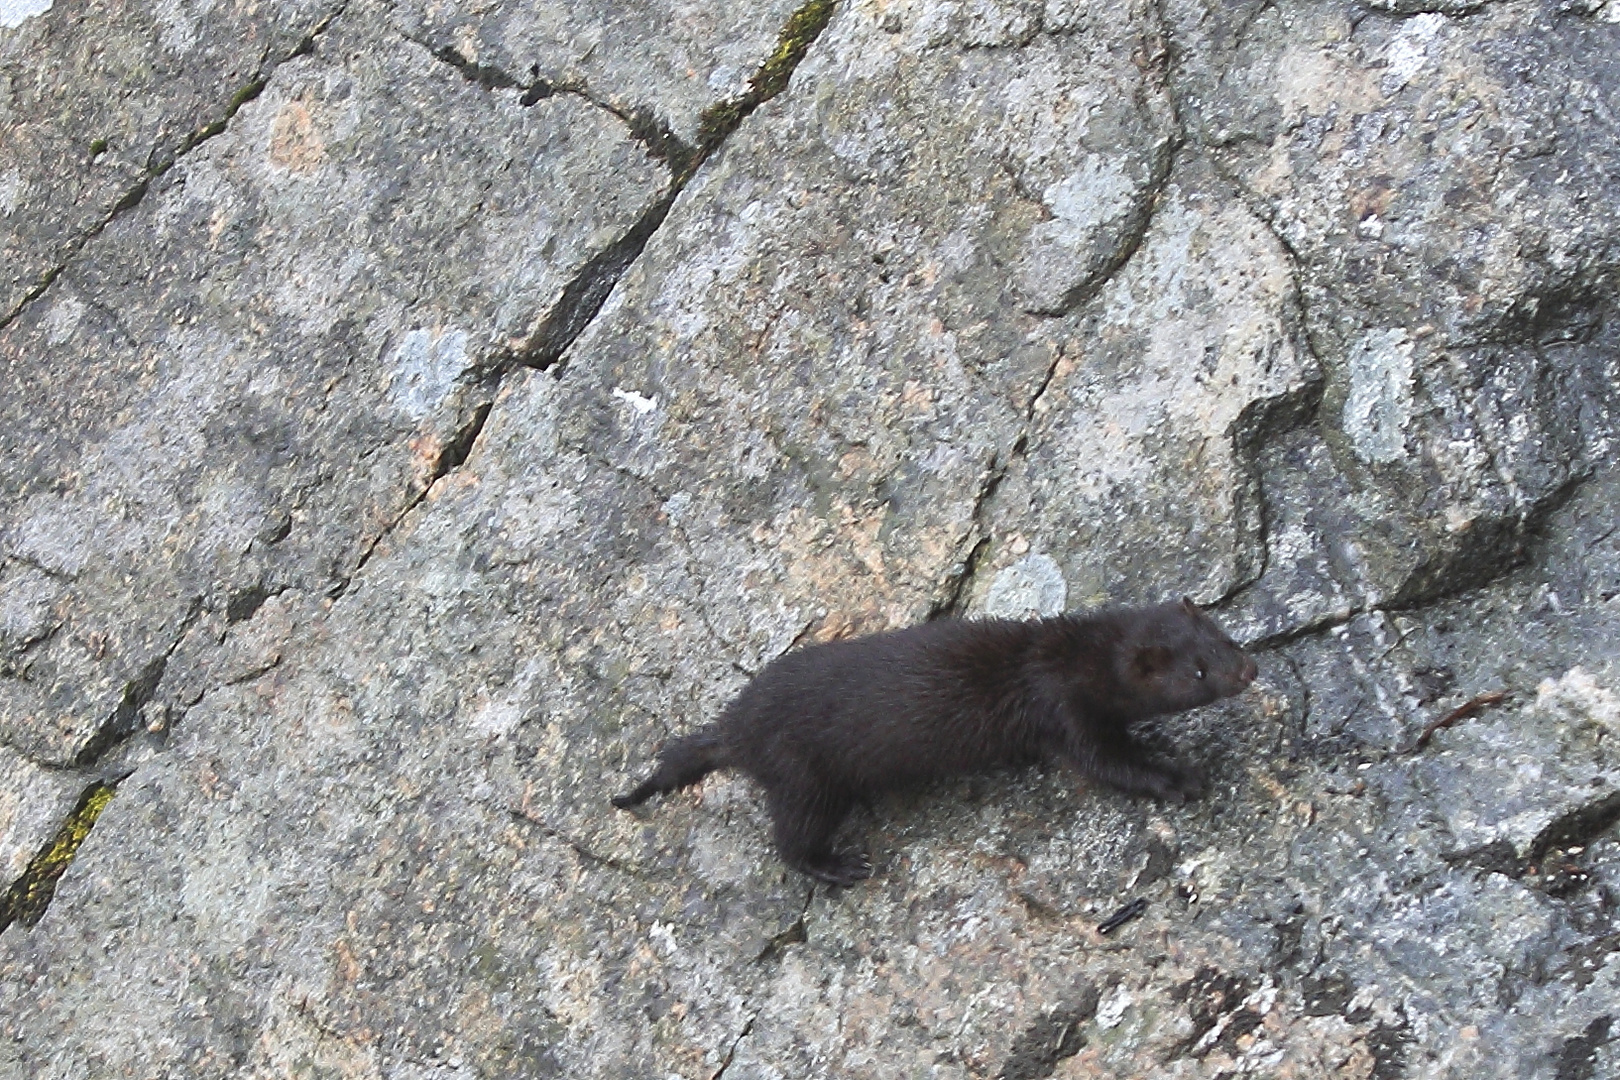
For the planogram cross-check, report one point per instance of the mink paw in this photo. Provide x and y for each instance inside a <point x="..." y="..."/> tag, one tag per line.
<point x="843" y="869"/>
<point x="1173" y="784"/>
<point x="1187" y="783"/>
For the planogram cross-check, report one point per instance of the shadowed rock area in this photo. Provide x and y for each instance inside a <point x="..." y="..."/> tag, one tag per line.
<point x="411" y="415"/>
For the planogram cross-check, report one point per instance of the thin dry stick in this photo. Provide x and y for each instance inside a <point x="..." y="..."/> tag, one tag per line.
<point x="1466" y="709"/>
<point x="1130" y="911"/>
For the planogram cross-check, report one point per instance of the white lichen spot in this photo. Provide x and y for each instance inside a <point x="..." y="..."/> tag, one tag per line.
<point x="498" y="715"/>
<point x="11" y="187"/>
<point x="176" y="25"/>
<point x="661" y="936"/>
<point x="677" y="505"/>
<point x="1264" y="999"/>
<point x="1066" y="249"/>
<point x="639" y="402"/>
<point x="13" y="12"/>
<point x="1034" y="585"/>
<point x="1371" y="227"/>
<point x="1379" y="404"/>
<point x="62" y="319"/>
<point x="426" y="365"/>
<point x="1577" y="692"/>
<point x="1112" y="1011"/>
<point x="1409" y="51"/>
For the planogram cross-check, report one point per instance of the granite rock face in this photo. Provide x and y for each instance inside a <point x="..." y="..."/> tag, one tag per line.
<point x="329" y="289"/>
<point x="414" y="414"/>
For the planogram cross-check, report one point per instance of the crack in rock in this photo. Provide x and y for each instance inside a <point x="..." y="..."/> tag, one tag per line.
<point x="139" y="693"/>
<point x="452" y="455"/>
<point x="956" y="588"/>
<point x="551" y="832"/>
<point x="31" y="894"/>
<point x="1402" y="10"/>
<point x="1576" y="827"/>
<point x="1445" y="584"/>
<point x="1259" y="423"/>
<point x="644" y="124"/>
<point x="1134" y="230"/>
<point x="795" y="933"/>
<point x="731" y="1051"/>
<point x="1138" y="221"/>
<point x="582" y="298"/>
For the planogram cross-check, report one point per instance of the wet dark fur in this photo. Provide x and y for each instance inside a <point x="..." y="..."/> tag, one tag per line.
<point x="829" y="725"/>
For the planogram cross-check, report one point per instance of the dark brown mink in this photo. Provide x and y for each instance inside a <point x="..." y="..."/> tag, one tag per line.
<point x="824" y="727"/>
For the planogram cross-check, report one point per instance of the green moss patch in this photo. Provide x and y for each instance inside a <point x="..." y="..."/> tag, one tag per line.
<point x="31" y="894"/>
<point x="770" y="79"/>
<point x="803" y="27"/>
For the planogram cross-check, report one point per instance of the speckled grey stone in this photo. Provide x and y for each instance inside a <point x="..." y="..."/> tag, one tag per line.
<point x="1306" y="310"/>
<point x="329" y="281"/>
<point x="97" y="99"/>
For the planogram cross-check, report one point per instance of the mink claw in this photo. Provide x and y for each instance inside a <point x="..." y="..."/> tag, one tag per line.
<point x="842" y="870"/>
<point x="1175" y="785"/>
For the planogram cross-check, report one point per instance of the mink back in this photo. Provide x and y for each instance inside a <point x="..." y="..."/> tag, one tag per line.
<point x="957" y="696"/>
<point x="893" y="709"/>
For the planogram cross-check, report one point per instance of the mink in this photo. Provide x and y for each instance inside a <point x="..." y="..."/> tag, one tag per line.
<point x="829" y="725"/>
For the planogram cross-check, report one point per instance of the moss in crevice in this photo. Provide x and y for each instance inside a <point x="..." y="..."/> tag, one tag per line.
<point x="802" y="29"/>
<point x="31" y="894"/>
<point x="771" y="78"/>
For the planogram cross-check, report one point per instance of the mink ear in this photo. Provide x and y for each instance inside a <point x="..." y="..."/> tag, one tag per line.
<point x="1150" y="660"/>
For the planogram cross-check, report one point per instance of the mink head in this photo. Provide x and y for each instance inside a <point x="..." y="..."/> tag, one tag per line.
<point x="1174" y="657"/>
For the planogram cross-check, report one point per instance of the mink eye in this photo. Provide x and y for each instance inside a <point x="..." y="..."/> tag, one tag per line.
<point x="1200" y="671"/>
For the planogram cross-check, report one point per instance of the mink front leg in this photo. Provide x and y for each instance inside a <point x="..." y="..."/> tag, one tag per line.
<point x="1121" y="762"/>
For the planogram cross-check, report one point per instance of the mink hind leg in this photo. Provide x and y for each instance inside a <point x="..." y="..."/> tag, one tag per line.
<point x="683" y="762"/>
<point x="804" y="818"/>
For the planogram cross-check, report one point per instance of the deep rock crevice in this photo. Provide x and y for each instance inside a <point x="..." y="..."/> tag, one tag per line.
<point x="582" y="298"/>
<point x="30" y="895"/>
<point x="139" y="693"/>
<point x="644" y="125"/>
<point x="585" y="293"/>
<point x="451" y="456"/>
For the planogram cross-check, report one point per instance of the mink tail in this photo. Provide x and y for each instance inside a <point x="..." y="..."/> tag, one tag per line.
<point x="683" y="762"/>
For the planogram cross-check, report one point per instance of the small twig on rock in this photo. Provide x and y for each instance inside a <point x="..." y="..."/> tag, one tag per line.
<point x="1132" y="910"/>
<point x="1466" y="709"/>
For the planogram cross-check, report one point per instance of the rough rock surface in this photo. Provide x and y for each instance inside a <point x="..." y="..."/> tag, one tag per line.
<point x="412" y="414"/>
